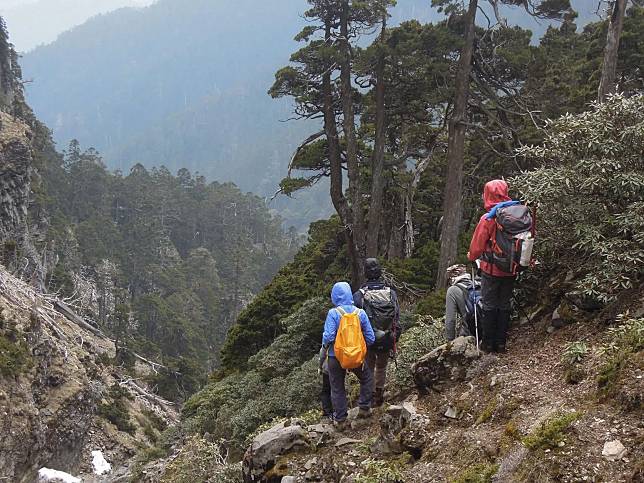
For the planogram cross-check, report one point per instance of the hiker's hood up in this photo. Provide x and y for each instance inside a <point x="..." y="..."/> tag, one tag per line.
<point x="341" y="294"/>
<point x="495" y="191"/>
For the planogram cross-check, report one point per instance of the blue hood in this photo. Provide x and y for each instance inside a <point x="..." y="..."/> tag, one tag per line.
<point x="341" y="294"/>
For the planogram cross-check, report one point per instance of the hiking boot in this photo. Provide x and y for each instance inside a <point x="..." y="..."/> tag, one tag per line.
<point x="486" y="347"/>
<point x="341" y="425"/>
<point x="378" y="398"/>
<point x="364" y="413"/>
<point x="326" y="419"/>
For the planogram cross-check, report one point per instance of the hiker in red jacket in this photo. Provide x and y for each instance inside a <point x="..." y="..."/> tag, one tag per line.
<point x="496" y="285"/>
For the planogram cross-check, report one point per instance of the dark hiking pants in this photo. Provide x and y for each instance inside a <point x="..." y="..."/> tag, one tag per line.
<point x="378" y="361"/>
<point x="496" y="293"/>
<point x="338" y="392"/>
<point x="325" y="397"/>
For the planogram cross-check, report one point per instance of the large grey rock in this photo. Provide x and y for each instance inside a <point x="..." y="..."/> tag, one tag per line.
<point x="402" y="428"/>
<point x="266" y="448"/>
<point x="448" y="362"/>
<point x="614" y="450"/>
<point x="322" y="429"/>
<point x="345" y="441"/>
<point x="289" y="479"/>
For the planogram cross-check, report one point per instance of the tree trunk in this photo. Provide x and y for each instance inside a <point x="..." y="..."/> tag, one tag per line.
<point x="410" y="193"/>
<point x="335" y="161"/>
<point x="354" y="192"/>
<point x="377" y="165"/>
<point x="452" y="203"/>
<point x="396" y="224"/>
<point x="607" y="82"/>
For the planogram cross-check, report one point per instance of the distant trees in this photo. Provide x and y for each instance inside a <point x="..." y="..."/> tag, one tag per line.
<point x="164" y="263"/>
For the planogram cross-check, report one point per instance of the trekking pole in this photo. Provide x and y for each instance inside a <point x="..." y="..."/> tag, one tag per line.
<point x="476" y="319"/>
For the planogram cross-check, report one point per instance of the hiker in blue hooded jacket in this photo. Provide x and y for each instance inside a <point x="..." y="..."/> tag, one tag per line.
<point x="342" y="297"/>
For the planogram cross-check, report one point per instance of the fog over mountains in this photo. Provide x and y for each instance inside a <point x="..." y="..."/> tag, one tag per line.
<point x="182" y="83"/>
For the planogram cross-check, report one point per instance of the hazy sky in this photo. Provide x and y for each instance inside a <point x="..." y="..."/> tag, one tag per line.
<point x="34" y="22"/>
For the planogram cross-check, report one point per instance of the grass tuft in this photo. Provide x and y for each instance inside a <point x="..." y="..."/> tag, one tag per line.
<point x="551" y="432"/>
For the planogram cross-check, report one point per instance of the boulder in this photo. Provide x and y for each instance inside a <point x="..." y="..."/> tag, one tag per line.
<point x="345" y="441"/>
<point x="266" y="448"/>
<point x="451" y="413"/>
<point x="402" y="428"/>
<point x="448" y="362"/>
<point x="289" y="479"/>
<point x="321" y="433"/>
<point x="614" y="450"/>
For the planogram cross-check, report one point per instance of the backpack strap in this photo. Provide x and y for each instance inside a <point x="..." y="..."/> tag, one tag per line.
<point x="341" y="311"/>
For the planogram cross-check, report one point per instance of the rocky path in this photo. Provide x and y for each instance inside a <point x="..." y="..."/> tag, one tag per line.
<point x="483" y="428"/>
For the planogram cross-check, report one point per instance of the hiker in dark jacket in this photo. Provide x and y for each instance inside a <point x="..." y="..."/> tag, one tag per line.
<point x="496" y="285"/>
<point x="342" y="298"/>
<point x="381" y="304"/>
<point x="455" y="304"/>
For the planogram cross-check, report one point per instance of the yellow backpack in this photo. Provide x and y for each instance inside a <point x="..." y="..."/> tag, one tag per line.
<point x="350" y="347"/>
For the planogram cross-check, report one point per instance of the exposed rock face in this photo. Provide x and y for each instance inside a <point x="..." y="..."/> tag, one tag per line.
<point x="15" y="175"/>
<point x="16" y="171"/>
<point x="402" y="428"/>
<point x="52" y="383"/>
<point x="263" y="453"/>
<point x="448" y="362"/>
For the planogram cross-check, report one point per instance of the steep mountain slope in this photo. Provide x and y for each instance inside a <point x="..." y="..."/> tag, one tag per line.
<point x="196" y="67"/>
<point x="60" y="396"/>
<point x="25" y="17"/>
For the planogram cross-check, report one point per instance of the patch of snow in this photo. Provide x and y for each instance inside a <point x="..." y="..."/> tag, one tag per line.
<point x="100" y="464"/>
<point x="49" y="475"/>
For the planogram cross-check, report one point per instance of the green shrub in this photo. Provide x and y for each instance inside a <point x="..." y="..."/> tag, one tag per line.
<point x="415" y="342"/>
<point x="433" y="304"/>
<point x="114" y="409"/>
<point x="551" y="432"/>
<point x="15" y="356"/>
<point x="281" y="381"/>
<point x="574" y="353"/>
<point x="200" y="460"/>
<point x="383" y="471"/>
<point x="487" y="412"/>
<point x="590" y="190"/>
<point x="626" y="340"/>
<point x="481" y="473"/>
<point x="317" y="265"/>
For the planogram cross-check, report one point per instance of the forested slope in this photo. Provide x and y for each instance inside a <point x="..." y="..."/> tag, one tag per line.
<point x="163" y="263"/>
<point x="184" y="84"/>
<point x="578" y="161"/>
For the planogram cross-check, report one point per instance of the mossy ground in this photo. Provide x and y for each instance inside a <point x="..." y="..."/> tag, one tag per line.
<point x="15" y="356"/>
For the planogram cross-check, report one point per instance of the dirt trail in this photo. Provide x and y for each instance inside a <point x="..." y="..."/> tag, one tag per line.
<point x="506" y="398"/>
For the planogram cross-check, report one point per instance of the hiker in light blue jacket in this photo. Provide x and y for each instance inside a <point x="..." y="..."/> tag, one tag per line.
<point x="342" y="297"/>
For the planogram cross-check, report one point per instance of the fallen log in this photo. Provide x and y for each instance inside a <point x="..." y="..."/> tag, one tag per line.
<point x="65" y="310"/>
